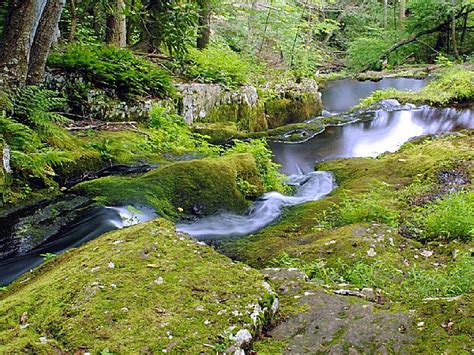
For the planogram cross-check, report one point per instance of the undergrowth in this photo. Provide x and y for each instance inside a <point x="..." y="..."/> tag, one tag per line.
<point x="114" y="68"/>
<point x="219" y="65"/>
<point x="400" y="283"/>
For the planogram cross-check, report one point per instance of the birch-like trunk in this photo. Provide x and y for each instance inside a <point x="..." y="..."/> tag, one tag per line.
<point x="46" y="33"/>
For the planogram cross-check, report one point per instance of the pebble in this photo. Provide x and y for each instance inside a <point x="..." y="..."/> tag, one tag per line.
<point x="371" y="252"/>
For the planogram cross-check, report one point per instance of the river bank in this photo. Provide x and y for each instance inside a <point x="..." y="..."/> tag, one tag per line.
<point x="351" y="242"/>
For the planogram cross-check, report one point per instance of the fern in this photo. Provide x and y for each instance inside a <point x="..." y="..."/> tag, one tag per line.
<point x="34" y="134"/>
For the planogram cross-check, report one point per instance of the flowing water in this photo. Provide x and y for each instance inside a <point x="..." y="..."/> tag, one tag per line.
<point x="386" y="130"/>
<point x="385" y="133"/>
<point x="91" y="223"/>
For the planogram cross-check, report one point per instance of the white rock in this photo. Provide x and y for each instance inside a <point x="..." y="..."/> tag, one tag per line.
<point x="243" y="338"/>
<point x="43" y="340"/>
<point x="371" y="252"/>
<point x="159" y="281"/>
<point x="426" y="253"/>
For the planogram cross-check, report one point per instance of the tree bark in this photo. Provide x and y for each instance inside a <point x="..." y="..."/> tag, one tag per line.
<point x="453" y="30"/>
<point x="116" y="33"/>
<point x="204" y="23"/>
<point x="385" y="13"/>
<point x="16" y="41"/>
<point x="46" y="34"/>
<point x="402" y="13"/>
<point x="73" y="13"/>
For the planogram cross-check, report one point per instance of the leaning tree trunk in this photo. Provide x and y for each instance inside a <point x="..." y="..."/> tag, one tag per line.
<point x="204" y="30"/>
<point x="46" y="34"/>
<point x="16" y="41"/>
<point x="116" y="33"/>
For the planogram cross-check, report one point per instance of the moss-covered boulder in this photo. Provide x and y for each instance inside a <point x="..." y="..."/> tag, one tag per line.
<point x="141" y="289"/>
<point x="196" y="187"/>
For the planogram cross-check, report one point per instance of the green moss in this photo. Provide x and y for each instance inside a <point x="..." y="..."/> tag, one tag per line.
<point x="143" y="288"/>
<point x="203" y="186"/>
<point x="247" y="118"/>
<point x="294" y="107"/>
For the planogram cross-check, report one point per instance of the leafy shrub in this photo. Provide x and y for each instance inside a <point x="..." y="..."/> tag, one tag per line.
<point x="365" y="53"/>
<point x="218" y="65"/>
<point x="115" y="68"/>
<point x="455" y="83"/>
<point x="267" y="169"/>
<point x="449" y="218"/>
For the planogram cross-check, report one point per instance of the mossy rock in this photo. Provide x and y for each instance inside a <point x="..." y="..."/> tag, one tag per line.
<point x="140" y="289"/>
<point x="203" y="186"/>
<point x="246" y="117"/>
<point x="293" y="107"/>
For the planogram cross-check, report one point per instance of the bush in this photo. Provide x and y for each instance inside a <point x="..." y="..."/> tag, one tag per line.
<point x="218" y="65"/>
<point x="32" y="133"/>
<point x="114" y="68"/>
<point x="365" y="53"/>
<point x="449" y="218"/>
<point x="267" y="169"/>
<point x="451" y="85"/>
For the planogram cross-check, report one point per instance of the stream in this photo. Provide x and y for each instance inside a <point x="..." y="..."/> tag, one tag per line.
<point x="387" y="130"/>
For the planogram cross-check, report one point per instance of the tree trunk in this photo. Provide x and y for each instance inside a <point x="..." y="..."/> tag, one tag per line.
<point x="73" y="13"/>
<point x="16" y="41"/>
<point x="385" y="13"/>
<point x="116" y="31"/>
<point x="204" y="23"/>
<point x="402" y="13"/>
<point x="453" y="30"/>
<point x="46" y="34"/>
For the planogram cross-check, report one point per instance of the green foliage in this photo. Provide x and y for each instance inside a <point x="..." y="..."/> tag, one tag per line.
<point x="416" y="282"/>
<point x="266" y="168"/>
<point x="114" y="68"/>
<point x="365" y="53"/>
<point x="48" y="256"/>
<point x="448" y="219"/>
<point x="218" y="65"/>
<point x="169" y="133"/>
<point x="32" y="132"/>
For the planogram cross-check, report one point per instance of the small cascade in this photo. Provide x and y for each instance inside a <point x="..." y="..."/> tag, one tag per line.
<point x="265" y="210"/>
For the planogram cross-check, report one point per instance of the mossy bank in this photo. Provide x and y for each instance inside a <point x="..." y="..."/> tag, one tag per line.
<point x="401" y="225"/>
<point x="143" y="288"/>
